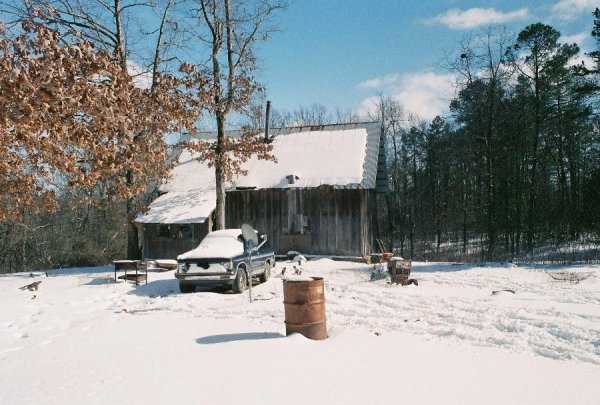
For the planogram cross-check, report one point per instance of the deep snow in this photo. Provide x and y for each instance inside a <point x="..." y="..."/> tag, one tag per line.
<point x="86" y="339"/>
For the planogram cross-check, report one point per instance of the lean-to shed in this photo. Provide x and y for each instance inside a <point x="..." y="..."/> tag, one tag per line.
<point x="181" y="216"/>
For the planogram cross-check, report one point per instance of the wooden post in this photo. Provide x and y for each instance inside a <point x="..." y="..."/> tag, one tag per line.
<point x="267" y="117"/>
<point x="249" y="273"/>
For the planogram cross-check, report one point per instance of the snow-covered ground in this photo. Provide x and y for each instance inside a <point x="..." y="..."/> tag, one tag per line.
<point x="84" y="339"/>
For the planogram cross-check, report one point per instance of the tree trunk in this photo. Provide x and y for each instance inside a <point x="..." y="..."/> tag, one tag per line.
<point x="464" y="212"/>
<point x="532" y="215"/>
<point x="133" y="249"/>
<point x="219" y="177"/>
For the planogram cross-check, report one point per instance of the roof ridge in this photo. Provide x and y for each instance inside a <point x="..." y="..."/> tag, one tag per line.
<point x="298" y="128"/>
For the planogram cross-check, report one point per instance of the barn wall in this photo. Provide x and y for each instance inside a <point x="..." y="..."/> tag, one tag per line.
<point x="322" y="221"/>
<point x="156" y="246"/>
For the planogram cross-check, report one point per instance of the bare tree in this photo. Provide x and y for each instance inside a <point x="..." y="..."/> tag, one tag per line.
<point x="316" y="114"/>
<point x="393" y="118"/>
<point x="281" y="118"/>
<point x="113" y="26"/>
<point x="232" y="29"/>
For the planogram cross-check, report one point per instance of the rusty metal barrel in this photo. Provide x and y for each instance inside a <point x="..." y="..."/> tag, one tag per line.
<point x="304" y="302"/>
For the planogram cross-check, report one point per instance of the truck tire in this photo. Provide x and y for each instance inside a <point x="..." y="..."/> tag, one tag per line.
<point x="186" y="288"/>
<point x="241" y="281"/>
<point x="267" y="273"/>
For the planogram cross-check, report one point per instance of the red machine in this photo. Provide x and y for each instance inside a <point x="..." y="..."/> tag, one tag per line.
<point x="399" y="270"/>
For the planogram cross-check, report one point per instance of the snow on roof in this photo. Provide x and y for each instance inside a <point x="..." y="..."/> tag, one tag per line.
<point x="341" y="156"/>
<point x="313" y="159"/>
<point x="189" y="197"/>
<point x="181" y="207"/>
<point x="189" y="174"/>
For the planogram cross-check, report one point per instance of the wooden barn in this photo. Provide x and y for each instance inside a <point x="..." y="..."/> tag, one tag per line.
<point x="320" y="198"/>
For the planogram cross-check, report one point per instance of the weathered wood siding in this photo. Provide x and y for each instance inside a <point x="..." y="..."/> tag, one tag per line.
<point x="155" y="246"/>
<point x="321" y="221"/>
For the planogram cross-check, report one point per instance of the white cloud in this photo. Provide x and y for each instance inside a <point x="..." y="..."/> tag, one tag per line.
<point x="424" y="94"/>
<point x="571" y="9"/>
<point x="141" y="77"/>
<point x="577" y="38"/>
<point x="584" y="60"/>
<point x="379" y="82"/>
<point x="580" y="39"/>
<point x="458" y="19"/>
<point x="368" y="107"/>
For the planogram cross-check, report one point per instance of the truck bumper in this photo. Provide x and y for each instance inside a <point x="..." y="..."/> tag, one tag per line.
<point x="205" y="280"/>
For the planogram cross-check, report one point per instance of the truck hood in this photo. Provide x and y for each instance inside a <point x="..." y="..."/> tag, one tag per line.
<point x="215" y="248"/>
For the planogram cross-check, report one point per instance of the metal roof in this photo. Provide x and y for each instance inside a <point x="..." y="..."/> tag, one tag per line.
<point x="374" y="173"/>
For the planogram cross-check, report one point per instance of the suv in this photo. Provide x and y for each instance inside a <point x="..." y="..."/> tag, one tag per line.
<point x="224" y="258"/>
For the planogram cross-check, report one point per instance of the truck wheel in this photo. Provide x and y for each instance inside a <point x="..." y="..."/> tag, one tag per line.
<point x="187" y="288"/>
<point x="241" y="281"/>
<point x="267" y="273"/>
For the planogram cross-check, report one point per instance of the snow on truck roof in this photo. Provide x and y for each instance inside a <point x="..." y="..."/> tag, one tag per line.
<point x="226" y="233"/>
<point x="223" y="243"/>
<point x="341" y="156"/>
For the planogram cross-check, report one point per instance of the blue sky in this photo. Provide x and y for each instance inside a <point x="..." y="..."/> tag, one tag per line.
<point x="341" y="53"/>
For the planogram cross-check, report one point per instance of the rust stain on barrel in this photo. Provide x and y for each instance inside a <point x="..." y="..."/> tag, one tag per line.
<point x="304" y="303"/>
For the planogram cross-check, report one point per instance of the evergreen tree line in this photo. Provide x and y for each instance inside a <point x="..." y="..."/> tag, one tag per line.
<point x="515" y="169"/>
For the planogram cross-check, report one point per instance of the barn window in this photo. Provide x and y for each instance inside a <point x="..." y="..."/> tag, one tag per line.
<point x="186" y="232"/>
<point x="164" y="231"/>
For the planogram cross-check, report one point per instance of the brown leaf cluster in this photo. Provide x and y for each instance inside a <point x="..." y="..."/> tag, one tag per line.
<point x="70" y="117"/>
<point x="232" y="153"/>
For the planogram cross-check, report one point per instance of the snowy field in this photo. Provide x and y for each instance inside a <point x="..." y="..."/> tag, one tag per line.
<point x="84" y="339"/>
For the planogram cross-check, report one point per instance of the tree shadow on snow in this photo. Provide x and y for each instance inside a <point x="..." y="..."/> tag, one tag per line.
<point x="443" y="267"/>
<point x="101" y="281"/>
<point x="156" y="288"/>
<point x="235" y="337"/>
<point x="166" y="287"/>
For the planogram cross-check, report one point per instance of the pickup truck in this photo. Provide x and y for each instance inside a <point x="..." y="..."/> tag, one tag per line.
<point x="224" y="258"/>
